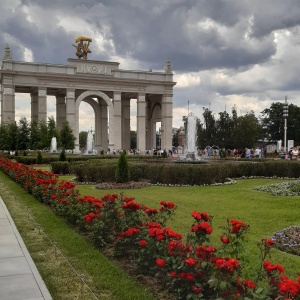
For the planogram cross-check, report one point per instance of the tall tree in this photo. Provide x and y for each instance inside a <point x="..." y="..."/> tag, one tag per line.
<point x="272" y="120"/>
<point x="53" y="131"/>
<point x="246" y="131"/>
<point x="34" y="135"/>
<point x="12" y="136"/>
<point x="43" y="135"/>
<point x="133" y="139"/>
<point x="4" y="137"/>
<point x="67" y="137"/>
<point x="82" y="139"/>
<point x="24" y="134"/>
<point x="224" y="128"/>
<point x="209" y="127"/>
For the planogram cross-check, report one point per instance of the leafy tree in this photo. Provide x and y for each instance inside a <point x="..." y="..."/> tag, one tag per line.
<point x="132" y="139"/>
<point x="4" y="137"/>
<point x="67" y="137"/>
<point x="43" y="135"/>
<point x="272" y="120"/>
<point x="122" y="171"/>
<point x="175" y="141"/>
<point x="224" y="128"/>
<point x="34" y="135"/>
<point x="24" y="134"/>
<point x="53" y="131"/>
<point x="12" y="136"/>
<point x="246" y="131"/>
<point x="209" y="127"/>
<point x="83" y="139"/>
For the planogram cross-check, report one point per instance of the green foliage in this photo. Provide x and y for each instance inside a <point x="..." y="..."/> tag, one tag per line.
<point x="60" y="167"/>
<point x="62" y="155"/>
<point x="23" y="134"/>
<point x="82" y="139"/>
<point x="133" y="140"/>
<point x="39" y="159"/>
<point x="67" y="137"/>
<point x="34" y="135"/>
<point x="122" y="170"/>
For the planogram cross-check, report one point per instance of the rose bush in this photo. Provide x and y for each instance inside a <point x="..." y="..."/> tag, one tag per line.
<point x="194" y="269"/>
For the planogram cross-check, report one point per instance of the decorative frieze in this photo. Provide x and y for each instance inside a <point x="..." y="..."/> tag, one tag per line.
<point x="94" y="69"/>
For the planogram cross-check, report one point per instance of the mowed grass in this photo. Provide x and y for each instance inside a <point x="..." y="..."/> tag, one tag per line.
<point x="264" y="213"/>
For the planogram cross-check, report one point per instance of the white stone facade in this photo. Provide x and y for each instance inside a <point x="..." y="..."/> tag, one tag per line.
<point x="105" y="87"/>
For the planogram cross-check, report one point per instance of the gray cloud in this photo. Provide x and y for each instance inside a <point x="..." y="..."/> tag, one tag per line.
<point x="238" y="48"/>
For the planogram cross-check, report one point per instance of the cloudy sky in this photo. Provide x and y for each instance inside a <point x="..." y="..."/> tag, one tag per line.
<point x="224" y="53"/>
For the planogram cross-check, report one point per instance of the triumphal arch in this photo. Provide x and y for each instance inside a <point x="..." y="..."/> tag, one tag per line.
<point x="102" y="84"/>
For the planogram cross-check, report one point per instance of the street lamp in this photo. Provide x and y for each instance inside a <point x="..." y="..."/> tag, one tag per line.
<point x="285" y="115"/>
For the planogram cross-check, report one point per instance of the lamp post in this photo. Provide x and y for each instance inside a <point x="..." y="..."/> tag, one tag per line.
<point x="285" y="115"/>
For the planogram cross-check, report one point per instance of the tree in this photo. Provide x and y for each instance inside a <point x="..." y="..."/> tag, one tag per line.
<point x="34" y="135"/>
<point x="62" y="155"/>
<point x="24" y="134"/>
<point x="224" y="128"/>
<point x="132" y="139"/>
<point x="175" y="141"/>
<point x="272" y="120"/>
<point x="4" y="137"/>
<point x="52" y="131"/>
<point x="67" y="137"/>
<point x="247" y="131"/>
<point x="122" y="170"/>
<point x="12" y="136"/>
<point x="209" y="127"/>
<point x="43" y="135"/>
<point x="82" y="139"/>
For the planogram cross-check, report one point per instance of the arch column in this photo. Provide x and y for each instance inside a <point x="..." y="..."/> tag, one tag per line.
<point x="126" y="123"/>
<point x="104" y="127"/>
<point x="8" y="104"/>
<point x="141" y="121"/>
<point x="34" y="106"/>
<point x="42" y="104"/>
<point x="118" y="120"/>
<point x="60" y="110"/>
<point x="72" y="117"/>
<point x="166" y="121"/>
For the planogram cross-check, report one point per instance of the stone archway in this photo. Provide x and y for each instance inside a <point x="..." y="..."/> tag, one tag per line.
<point x="107" y="100"/>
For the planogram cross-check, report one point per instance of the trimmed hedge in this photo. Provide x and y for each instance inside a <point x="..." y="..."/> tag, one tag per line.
<point x="192" y="174"/>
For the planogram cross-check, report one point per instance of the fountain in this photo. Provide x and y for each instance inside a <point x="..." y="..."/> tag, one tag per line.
<point x="190" y="153"/>
<point x="90" y="144"/>
<point x="53" y="146"/>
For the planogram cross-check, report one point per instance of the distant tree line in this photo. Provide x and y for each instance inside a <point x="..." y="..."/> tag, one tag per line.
<point x="35" y="135"/>
<point x="233" y="131"/>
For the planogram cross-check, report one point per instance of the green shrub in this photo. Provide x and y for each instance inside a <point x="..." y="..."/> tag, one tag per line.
<point x="62" y="156"/>
<point x="39" y="159"/>
<point x="122" y="170"/>
<point x="60" y="167"/>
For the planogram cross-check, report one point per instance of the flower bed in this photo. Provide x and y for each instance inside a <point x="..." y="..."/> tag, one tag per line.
<point x="194" y="269"/>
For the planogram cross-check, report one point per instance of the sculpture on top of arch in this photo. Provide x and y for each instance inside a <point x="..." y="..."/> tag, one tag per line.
<point x="82" y="47"/>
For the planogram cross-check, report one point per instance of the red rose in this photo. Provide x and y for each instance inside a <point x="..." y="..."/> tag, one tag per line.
<point x="160" y="262"/>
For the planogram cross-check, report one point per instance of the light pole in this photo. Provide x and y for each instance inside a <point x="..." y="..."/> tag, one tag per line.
<point x="285" y="115"/>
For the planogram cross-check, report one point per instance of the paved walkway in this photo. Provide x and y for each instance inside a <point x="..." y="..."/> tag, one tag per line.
<point x="19" y="277"/>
